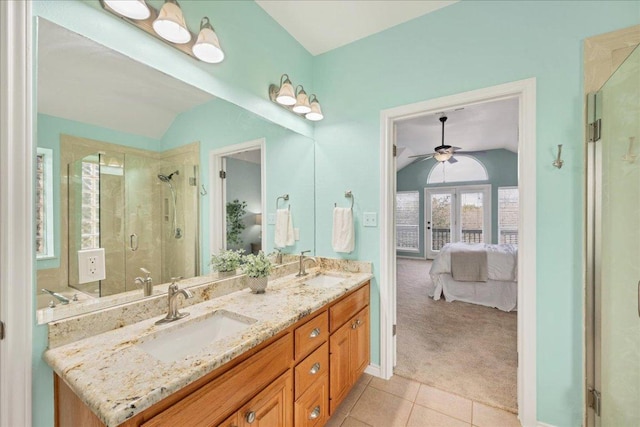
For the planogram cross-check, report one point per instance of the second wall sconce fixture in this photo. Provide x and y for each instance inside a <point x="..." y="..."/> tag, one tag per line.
<point x="169" y="25"/>
<point x="295" y="100"/>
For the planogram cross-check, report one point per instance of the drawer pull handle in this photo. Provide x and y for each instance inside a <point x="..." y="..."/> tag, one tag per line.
<point x="356" y="324"/>
<point x="315" y="333"/>
<point x="315" y="413"/>
<point x="315" y="368"/>
<point x="250" y="417"/>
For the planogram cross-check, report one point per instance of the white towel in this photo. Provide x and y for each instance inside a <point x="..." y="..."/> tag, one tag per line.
<point x="343" y="239"/>
<point x="284" y="229"/>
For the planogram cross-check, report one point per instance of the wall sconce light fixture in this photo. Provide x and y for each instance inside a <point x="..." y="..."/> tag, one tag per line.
<point x="295" y="100"/>
<point x="169" y="25"/>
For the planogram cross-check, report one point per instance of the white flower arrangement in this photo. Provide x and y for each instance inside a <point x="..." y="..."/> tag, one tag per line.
<point x="257" y="265"/>
<point x="228" y="260"/>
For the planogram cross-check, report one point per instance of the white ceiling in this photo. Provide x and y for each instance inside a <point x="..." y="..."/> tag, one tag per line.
<point x="486" y="126"/>
<point x="251" y="156"/>
<point x="79" y="79"/>
<point x="322" y="25"/>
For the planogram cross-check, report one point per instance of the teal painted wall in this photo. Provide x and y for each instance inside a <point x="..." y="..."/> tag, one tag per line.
<point x="289" y="163"/>
<point x="49" y="129"/>
<point x="467" y="46"/>
<point x="243" y="183"/>
<point x="502" y="168"/>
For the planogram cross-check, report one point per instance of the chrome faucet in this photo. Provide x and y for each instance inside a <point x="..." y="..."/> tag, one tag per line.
<point x="303" y="258"/>
<point x="147" y="282"/>
<point x="172" y="298"/>
<point x="63" y="300"/>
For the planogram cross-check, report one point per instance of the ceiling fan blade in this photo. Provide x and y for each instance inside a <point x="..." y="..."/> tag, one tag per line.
<point x="455" y="148"/>
<point x="425" y="156"/>
<point x="452" y="160"/>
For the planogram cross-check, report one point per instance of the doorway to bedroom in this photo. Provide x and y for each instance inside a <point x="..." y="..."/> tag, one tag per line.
<point x="457" y="188"/>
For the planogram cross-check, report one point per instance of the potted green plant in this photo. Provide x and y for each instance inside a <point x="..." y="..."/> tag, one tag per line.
<point x="257" y="269"/>
<point x="226" y="262"/>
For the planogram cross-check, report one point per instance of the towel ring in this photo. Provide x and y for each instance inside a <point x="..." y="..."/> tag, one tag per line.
<point x="284" y="197"/>
<point x="350" y="195"/>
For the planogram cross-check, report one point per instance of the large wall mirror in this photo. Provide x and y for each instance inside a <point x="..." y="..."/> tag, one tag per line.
<point x="124" y="168"/>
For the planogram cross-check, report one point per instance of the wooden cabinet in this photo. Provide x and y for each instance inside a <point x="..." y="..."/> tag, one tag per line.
<point x="297" y="378"/>
<point x="349" y="356"/>
<point x="270" y="408"/>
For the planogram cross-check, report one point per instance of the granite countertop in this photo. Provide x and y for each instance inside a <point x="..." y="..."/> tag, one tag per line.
<point x="117" y="380"/>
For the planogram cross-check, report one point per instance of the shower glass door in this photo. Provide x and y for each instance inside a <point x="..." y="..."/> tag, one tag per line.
<point x="617" y="247"/>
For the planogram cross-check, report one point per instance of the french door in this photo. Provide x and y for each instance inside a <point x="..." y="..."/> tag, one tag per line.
<point x="614" y="237"/>
<point x="457" y="214"/>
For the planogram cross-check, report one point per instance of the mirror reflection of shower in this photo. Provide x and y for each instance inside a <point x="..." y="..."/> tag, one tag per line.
<point x="177" y="232"/>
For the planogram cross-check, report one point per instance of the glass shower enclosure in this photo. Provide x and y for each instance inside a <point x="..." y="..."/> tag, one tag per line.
<point x="613" y="237"/>
<point x="141" y="210"/>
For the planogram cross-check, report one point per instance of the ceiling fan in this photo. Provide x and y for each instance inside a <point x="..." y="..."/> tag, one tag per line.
<point x="443" y="152"/>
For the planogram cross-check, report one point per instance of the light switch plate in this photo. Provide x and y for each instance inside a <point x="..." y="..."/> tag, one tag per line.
<point x="271" y="219"/>
<point x="91" y="265"/>
<point x="370" y="219"/>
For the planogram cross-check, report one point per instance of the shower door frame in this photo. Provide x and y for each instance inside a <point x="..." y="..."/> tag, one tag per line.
<point x="602" y="56"/>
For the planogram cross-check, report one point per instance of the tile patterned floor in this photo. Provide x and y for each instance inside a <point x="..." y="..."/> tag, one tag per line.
<point x="401" y="402"/>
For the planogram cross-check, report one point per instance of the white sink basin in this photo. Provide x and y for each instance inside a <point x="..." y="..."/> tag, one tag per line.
<point x="324" y="280"/>
<point x="189" y="338"/>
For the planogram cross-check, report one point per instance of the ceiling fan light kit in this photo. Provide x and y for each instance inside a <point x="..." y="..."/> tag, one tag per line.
<point x="442" y="153"/>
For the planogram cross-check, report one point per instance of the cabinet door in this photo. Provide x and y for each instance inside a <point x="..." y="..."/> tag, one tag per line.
<point x="273" y="407"/>
<point x="340" y="372"/>
<point x="359" y="344"/>
<point x="232" y="421"/>
<point x="311" y="409"/>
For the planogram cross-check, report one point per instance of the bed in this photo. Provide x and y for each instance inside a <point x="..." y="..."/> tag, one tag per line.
<point x="486" y="274"/>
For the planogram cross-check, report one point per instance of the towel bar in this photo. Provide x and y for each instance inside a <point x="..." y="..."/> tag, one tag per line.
<point x="348" y="194"/>
<point x="284" y="197"/>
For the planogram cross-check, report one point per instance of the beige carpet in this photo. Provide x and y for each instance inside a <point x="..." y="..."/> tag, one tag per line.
<point x="466" y="349"/>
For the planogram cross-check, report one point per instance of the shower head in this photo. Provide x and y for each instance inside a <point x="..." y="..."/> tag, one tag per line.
<point x="167" y="178"/>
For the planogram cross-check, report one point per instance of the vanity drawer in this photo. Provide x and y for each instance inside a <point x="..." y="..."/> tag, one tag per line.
<point x="227" y="392"/>
<point x="345" y="309"/>
<point x="312" y="409"/>
<point x="310" y="369"/>
<point x="310" y="335"/>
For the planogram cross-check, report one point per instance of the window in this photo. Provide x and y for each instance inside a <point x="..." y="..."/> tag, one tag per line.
<point x="466" y="169"/>
<point x="408" y="221"/>
<point x="90" y="227"/>
<point x="44" y="203"/>
<point x="508" y="209"/>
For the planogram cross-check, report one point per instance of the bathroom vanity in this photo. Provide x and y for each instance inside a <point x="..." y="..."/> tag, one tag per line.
<point x="289" y="359"/>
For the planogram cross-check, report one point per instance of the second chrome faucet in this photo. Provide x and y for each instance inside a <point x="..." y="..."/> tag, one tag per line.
<point x="303" y="258"/>
<point x="172" y="298"/>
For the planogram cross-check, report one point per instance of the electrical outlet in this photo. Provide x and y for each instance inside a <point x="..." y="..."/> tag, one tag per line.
<point x="91" y="265"/>
<point x="271" y="219"/>
<point x="370" y="219"/>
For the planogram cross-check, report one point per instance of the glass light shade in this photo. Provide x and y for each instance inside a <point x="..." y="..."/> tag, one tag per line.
<point x="133" y="9"/>
<point x="286" y="94"/>
<point x="207" y="47"/>
<point x="316" y="112"/>
<point x="302" y="103"/>
<point x="258" y="219"/>
<point x="170" y="24"/>
<point x="442" y="157"/>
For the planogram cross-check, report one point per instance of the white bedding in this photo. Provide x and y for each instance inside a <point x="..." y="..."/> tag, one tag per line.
<point x="499" y="291"/>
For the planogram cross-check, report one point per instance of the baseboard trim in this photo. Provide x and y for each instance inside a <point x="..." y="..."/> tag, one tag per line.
<point x="374" y="370"/>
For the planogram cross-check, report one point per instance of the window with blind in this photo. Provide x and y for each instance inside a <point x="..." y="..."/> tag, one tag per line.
<point x="408" y="221"/>
<point x="508" y="209"/>
<point x="44" y="204"/>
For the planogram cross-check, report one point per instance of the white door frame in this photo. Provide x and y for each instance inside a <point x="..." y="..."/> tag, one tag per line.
<point x="525" y="91"/>
<point x="16" y="212"/>
<point x="216" y="163"/>
<point x="456" y="227"/>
